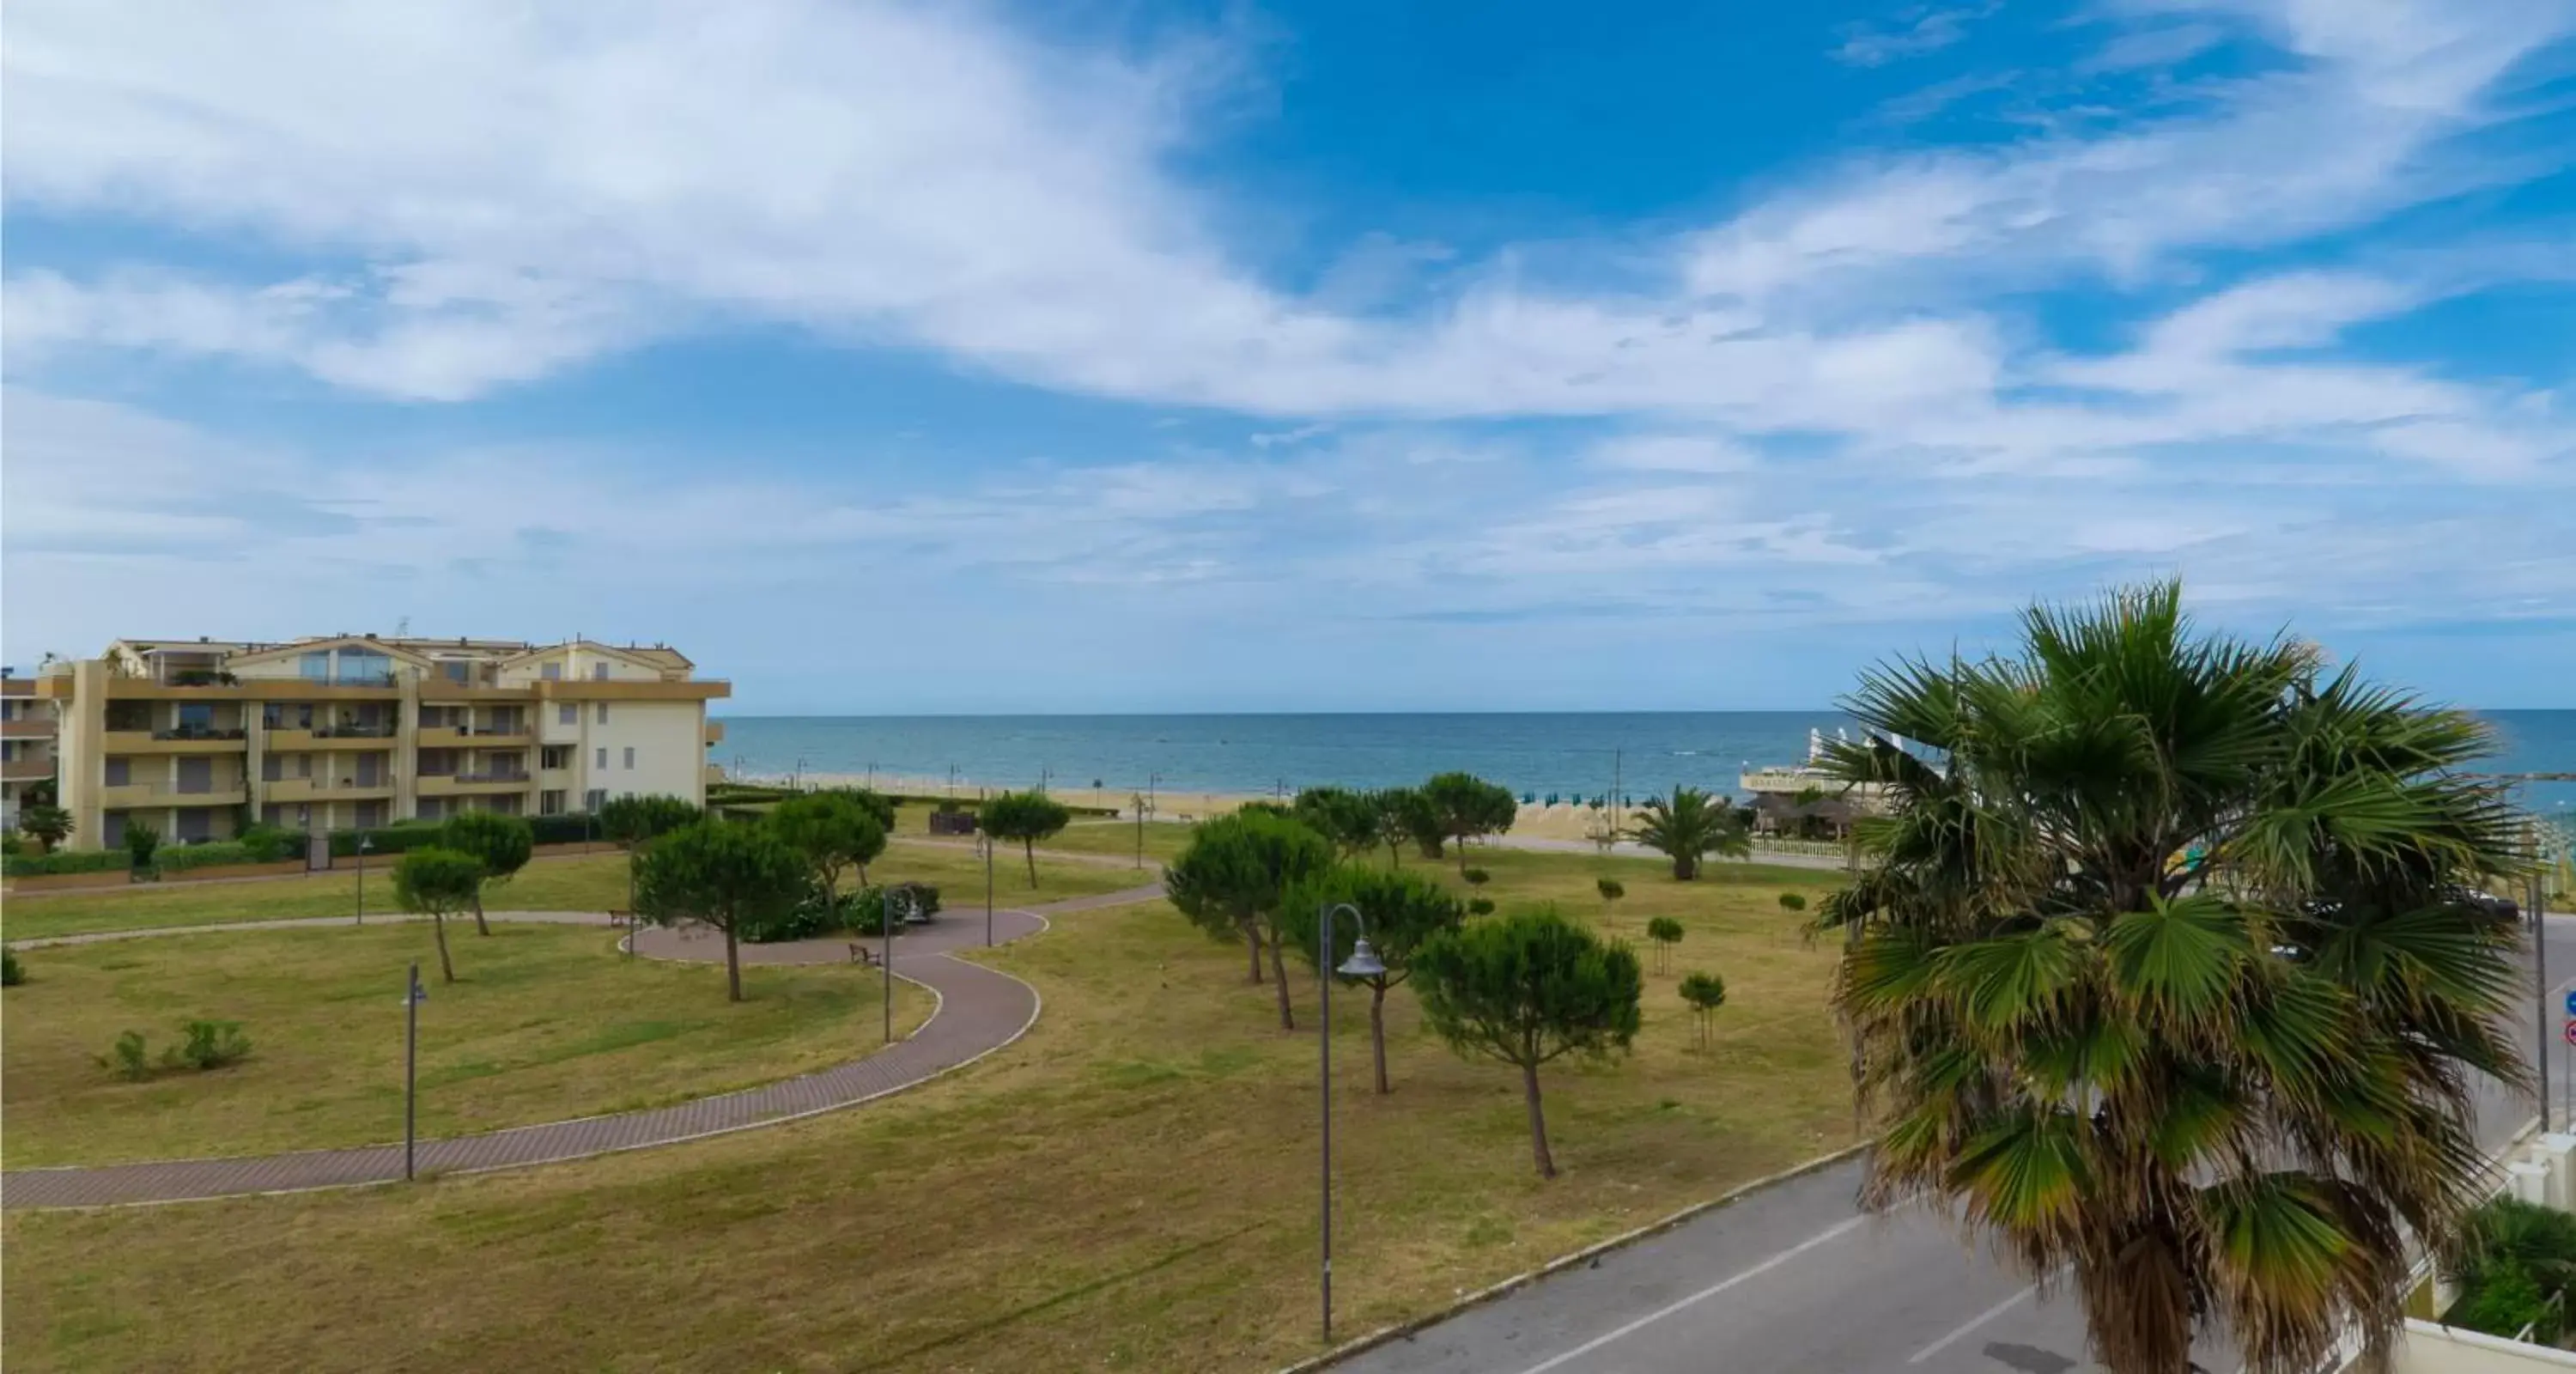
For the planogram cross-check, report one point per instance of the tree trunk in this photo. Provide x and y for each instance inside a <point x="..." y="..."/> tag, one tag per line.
<point x="1538" y="1123"/>
<point x="481" y="927"/>
<point x="1377" y="1030"/>
<point x="1685" y="867"/>
<point x="446" y="967"/>
<point x="1395" y="853"/>
<point x="1031" y="847"/>
<point x="1462" y="855"/>
<point x="733" y="968"/>
<point x="1279" y="976"/>
<point x="1252" y="939"/>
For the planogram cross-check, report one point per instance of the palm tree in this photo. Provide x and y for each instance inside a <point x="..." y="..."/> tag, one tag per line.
<point x="2220" y="1090"/>
<point x="1691" y="824"/>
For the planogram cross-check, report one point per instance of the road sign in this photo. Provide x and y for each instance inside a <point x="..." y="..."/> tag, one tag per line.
<point x="2571" y="1001"/>
<point x="2571" y="1032"/>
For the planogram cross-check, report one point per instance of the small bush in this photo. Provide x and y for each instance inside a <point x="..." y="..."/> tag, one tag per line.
<point x="11" y="972"/>
<point x="921" y="897"/>
<point x="140" y="842"/>
<point x="65" y="861"/>
<point x="2506" y="1300"/>
<point x="181" y="858"/>
<point x="1477" y="877"/>
<point x="564" y="829"/>
<point x="1611" y="889"/>
<point x="1480" y="906"/>
<point x="807" y="920"/>
<point x="206" y="1045"/>
<point x="127" y="1058"/>
<point x="1791" y="901"/>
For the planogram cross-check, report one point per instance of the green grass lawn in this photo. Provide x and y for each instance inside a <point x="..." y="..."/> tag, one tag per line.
<point x="544" y="1022"/>
<point x="593" y="882"/>
<point x="1130" y="1187"/>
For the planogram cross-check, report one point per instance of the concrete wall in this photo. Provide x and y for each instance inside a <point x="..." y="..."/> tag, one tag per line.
<point x="668" y="740"/>
<point x="2429" y="1348"/>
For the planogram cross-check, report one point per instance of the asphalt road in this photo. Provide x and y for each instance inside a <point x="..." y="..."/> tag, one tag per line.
<point x="1796" y="1279"/>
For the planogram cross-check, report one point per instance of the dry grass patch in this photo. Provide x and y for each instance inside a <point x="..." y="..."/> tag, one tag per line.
<point x="545" y="1022"/>
<point x="1130" y="1187"/>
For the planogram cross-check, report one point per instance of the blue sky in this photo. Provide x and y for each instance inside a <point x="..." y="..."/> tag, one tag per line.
<point x="1321" y="356"/>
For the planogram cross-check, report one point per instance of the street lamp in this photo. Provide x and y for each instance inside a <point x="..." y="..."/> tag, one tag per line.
<point x="984" y="845"/>
<point x="365" y="843"/>
<point x="1363" y="963"/>
<point x="885" y="925"/>
<point x="413" y="996"/>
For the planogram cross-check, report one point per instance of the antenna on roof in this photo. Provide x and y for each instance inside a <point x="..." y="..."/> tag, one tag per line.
<point x="402" y="628"/>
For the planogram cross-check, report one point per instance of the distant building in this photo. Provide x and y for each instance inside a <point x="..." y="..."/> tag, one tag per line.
<point x="198" y="738"/>
<point x="1805" y="800"/>
<point x="26" y="744"/>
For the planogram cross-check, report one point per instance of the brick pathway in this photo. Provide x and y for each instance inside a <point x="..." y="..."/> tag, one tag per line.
<point x="979" y="1011"/>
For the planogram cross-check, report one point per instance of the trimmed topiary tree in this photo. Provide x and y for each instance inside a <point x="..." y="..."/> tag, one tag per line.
<point x="140" y="842"/>
<point x="832" y="831"/>
<point x="1027" y="817"/>
<point x="49" y="824"/>
<point x="633" y="820"/>
<point x="439" y="882"/>
<point x="1705" y="992"/>
<point x="724" y="875"/>
<point x="1401" y="911"/>
<point x="501" y="844"/>
<point x="1231" y="879"/>
<point x="1666" y="933"/>
<point x="1467" y="807"/>
<point x="1526" y="989"/>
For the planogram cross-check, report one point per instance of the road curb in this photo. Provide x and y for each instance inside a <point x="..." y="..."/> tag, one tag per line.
<point x="1516" y="1282"/>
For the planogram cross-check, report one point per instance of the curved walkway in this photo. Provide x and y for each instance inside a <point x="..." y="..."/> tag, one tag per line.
<point x="979" y="1011"/>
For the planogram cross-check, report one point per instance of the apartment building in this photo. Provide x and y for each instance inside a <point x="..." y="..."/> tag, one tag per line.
<point x="198" y="738"/>
<point x="26" y="744"/>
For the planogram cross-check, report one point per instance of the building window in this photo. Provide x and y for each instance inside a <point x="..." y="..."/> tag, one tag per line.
<point x="630" y="758"/>
<point x="567" y="714"/>
<point x="431" y="808"/>
<point x="196" y="823"/>
<point x="120" y="770"/>
<point x="603" y="713"/>
<point x="599" y="672"/>
<point x="196" y="717"/>
<point x="315" y="667"/>
<point x="593" y="799"/>
<point x="550" y="803"/>
<point x="552" y="672"/>
<point x="555" y="756"/>
<point x="603" y="758"/>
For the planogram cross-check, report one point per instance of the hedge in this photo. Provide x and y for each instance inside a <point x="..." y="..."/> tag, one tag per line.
<point x="65" y="861"/>
<point x="569" y="828"/>
<point x="391" y="839"/>
<point x="180" y="858"/>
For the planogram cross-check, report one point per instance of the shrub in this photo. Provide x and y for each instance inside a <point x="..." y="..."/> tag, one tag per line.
<point x="2506" y="1300"/>
<point x="12" y="973"/>
<point x="1476" y="877"/>
<point x="809" y="919"/>
<point x="65" y="861"/>
<point x="1791" y="901"/>
<point x="1611" y="889"/>
<point x="1480" y="906"/>
<point x="921" y="896"/>
<point x="181" y="858"/>
<point x="206" y="1045"/>
<point x="127" y="1058"/>
<point x="140" y="841"/>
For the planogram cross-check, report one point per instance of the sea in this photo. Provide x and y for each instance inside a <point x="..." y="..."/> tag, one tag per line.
<point x="1569" y="754"/>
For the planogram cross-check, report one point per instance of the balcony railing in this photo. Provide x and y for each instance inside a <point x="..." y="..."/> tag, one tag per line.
<point x="521" y="777"/>
<point x="493" y="731"/>
<point x="201" y="732"/>
<point x="348" y="679"/>
<point x="355" y="730"/>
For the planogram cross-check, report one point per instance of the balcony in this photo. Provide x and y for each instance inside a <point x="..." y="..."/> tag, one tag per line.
<point x="223" y="792"/>
<point x="715" y="733"/>
<point x="209" y="741"/>
<point x="324" y="789"/>
<point x="459" y="784"/>
<point x="465" y="737"/>
<point x="27" y="727"/>
<point x="295" y="739"/>
<point x="26" y="770"/>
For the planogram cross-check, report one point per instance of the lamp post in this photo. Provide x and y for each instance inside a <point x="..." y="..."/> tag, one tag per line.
<point x="364" y="844"/>
<point x="985" y="844"/>
<point x="1363" y="963"/>
<point x="413" y="996"/>
<point x="885" y="927"/>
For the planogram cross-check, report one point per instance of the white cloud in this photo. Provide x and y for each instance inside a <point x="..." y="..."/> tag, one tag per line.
<point x="1671" y="453"/>
<point x="1918" y="29"/>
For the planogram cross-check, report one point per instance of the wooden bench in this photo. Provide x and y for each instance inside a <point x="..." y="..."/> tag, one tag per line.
<point x="621" y="920"/>
<point x="861" y="955"/>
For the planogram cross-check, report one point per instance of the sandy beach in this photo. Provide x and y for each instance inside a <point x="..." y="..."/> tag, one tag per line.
<point x="1563" y="821"/>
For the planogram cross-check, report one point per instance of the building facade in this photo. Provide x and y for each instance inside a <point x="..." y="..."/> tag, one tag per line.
<point x="199" y="738"/>
<point x="26" y="746"/>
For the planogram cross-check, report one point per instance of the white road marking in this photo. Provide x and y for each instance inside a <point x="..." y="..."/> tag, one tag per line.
<point x="1766" y="1266"/>
<point x="1971" y="1324"/>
